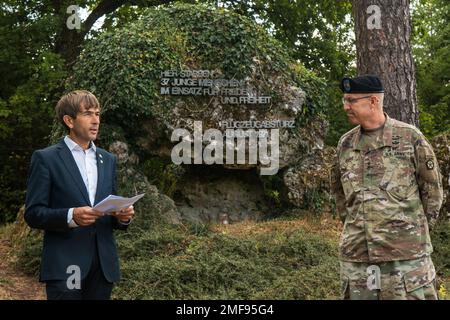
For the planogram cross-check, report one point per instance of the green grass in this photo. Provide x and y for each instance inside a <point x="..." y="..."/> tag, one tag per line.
<point x="175" y="262"/>
<point x="285" y="258"/>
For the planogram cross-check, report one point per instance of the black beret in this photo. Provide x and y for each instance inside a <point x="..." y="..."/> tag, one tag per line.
<point x="362" y="84"/>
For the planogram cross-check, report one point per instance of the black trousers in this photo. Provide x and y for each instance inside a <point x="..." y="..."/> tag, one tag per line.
<point x="93" y="287"/>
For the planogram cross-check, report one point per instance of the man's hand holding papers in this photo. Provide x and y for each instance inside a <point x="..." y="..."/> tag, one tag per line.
<point x="119" y="207"/>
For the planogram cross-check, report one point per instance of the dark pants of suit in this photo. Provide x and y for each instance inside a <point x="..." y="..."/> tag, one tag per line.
<point x="93" y="287"/>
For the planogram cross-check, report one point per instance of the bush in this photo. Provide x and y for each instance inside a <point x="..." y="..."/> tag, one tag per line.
<point x="441" y="244"/>
<point x="172" y="262"/>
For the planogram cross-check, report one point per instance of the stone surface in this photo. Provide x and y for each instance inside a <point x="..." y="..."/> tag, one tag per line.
<point x="132" y="182"/>
<point x="135" y="58"/>
<point x="217" y="194"/>
<point x="309" y="180"/>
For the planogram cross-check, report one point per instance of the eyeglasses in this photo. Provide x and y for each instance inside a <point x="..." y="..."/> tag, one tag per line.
<point x="353" y="100"/>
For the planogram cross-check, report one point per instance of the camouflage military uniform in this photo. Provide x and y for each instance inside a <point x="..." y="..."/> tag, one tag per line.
<point x="397" y="280"/>
<point x="388" y="193"/>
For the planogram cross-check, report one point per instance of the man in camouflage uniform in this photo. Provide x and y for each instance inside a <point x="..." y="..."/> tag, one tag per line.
<point x="388" y="192"/>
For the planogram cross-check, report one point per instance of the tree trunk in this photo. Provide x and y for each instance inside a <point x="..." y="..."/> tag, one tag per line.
<point x="69" y="42"/>
<point x="383" y="29"/>
<point x="68" y="45"/>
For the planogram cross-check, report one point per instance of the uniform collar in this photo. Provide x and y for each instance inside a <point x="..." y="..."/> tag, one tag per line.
<point x="387" y="135"/>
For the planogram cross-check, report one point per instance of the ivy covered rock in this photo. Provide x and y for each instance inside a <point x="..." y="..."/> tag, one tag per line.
<point x="129" y="71"/>
<point x="132" y="180"/>
<point x="308" y="183"/>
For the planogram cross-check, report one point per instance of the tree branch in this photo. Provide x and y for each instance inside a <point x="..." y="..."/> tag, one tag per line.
<point x="104" y="7"/>
<point x="108" y="6"/>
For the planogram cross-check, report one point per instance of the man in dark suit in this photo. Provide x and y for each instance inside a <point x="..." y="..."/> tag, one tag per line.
<point x="79" y="259"/>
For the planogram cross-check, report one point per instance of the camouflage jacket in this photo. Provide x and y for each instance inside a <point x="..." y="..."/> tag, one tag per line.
<point x="387" y="195"/>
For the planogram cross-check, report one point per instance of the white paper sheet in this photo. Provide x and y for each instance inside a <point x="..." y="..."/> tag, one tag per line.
<point x="115" y="203"/>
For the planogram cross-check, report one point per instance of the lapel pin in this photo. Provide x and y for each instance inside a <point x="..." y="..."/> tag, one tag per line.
<point x="100" y="155"/>
<point x="101" y="161"/>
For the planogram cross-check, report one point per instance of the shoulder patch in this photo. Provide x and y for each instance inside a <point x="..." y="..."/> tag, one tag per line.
<point x="430" y="164"/>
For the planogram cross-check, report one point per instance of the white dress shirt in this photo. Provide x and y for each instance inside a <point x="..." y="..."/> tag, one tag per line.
<point x="86" y="161"/>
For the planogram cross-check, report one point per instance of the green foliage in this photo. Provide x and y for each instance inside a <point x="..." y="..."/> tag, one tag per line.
<point x="273" y="190"/>
<point x="32" y="72"/>
<point x="32" y="37"/>
<point x="29" y="253"/>
<point x="177" y="37"/>
<point x="27" y="121"/>
<point x="193" y="261"/>
<point x="336" y="116"/>
<point x="188" y="37"/>
<point x="431" y="39"/>
<point x="172" y="263"/>
<point x="323" y="97"/>
<point x="31" y="75"/>
<point x="441" y="245"/>
<point x="314" y="200"/>
<point x="163" y="174"/>
<point x="318" y="33"/>
<point x="161" y="261"/>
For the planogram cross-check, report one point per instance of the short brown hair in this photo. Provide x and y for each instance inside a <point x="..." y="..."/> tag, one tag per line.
<point x="70" y="104"/>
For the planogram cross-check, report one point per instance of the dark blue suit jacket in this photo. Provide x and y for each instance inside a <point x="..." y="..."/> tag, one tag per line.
<point x="54" y="186"/>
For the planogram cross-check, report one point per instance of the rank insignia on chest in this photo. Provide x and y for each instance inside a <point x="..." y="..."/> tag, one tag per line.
<point x="395" y="140"/>
<point x="430" y="164"/>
